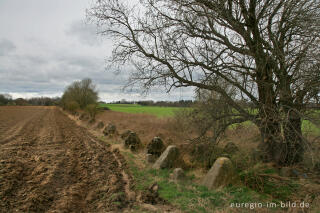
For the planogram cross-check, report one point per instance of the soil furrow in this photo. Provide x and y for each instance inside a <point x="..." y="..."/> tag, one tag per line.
<point x="49" y="164"/>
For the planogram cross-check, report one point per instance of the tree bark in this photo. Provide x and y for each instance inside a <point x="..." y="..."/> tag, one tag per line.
<point x="280" y="128"/>
<point x="283" y="150"/>
<point x="281" y="137"/>
<point x="271" y="140"/>
<point x="293" y="143"/>
<point x="292" y="146"/>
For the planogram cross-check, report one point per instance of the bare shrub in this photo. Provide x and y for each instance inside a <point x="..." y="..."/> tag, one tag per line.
<point x="311" y="159"/>
<point x="204" y="154"/>
<point x="181" y="121"/>
<point x="92" y="110"/>
<point x="72" y="107"/>
<point x="83" y="92"/>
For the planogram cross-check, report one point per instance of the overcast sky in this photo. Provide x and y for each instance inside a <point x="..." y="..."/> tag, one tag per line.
<point x="46" y="44"/>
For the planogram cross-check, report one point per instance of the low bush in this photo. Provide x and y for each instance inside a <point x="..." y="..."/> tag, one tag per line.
<point x="204" y="154"/>
<point x="92" y="110"/>
<point x="265" y="179"/>
<point x="72" y="107"/>
<point x="311" y="159"/>
<point x="104" y="108"/>
<point x="83" y="92"/>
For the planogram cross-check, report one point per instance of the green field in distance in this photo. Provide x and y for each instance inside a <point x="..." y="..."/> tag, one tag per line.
<point x="136" y="108"/>
<point x="307" y="126"/>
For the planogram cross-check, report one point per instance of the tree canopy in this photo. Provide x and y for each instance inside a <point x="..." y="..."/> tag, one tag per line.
<point x="267" y="50"/>
<point x="82" y="92"/>
<point x="5" y="99"/>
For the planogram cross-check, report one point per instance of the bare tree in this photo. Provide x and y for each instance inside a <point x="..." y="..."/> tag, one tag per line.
<point x="211" y="114"/>
<point x="82" y="92"/>
<point x="268" y="50"/>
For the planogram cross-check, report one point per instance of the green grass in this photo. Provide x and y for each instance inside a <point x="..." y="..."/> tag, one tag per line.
<point x="191" y="197"/>
<point x="307" y="126"/>
<point x="188" y="196"/>
<point x="136" y="108"/>
<point x="310" y="128"/>
<point x="278" y="190"/>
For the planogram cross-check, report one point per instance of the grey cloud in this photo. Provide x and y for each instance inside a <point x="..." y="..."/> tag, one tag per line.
<point x="49" y="74"/>
<point x="6" y="47"/>
<point x="43" y="50"/>
<point x="85" y="32"/>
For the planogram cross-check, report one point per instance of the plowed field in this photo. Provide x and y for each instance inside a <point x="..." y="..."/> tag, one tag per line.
<point x="49" y="164"/>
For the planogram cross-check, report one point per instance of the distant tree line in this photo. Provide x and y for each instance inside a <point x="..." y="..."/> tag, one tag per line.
<point x="44" y="101"/>
<point x="181" y="103"/>
<point x="6" y="99"/>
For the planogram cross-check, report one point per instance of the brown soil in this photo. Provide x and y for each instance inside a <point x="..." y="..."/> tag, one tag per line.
<point x="49" y="164"/>
<point x="145" y="200"/>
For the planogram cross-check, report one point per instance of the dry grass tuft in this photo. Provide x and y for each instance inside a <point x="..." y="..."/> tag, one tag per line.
<point x="176" y="131"/>
<point x="146" y="126"/>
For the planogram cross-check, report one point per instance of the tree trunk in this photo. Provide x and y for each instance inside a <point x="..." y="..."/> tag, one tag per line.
<point x="293" y="148"/>
<point x="282" y="147"/>
<point x="271" y="140"/>
<point x="280" y="131"/>
<point x="269" y="124"/>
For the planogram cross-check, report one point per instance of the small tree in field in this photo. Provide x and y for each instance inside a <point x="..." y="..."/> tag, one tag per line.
<point x="267" y="50"/>
<point x="83" y="92"/>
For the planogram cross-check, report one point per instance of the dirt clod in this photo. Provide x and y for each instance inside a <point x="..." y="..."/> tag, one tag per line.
<point x="151" y="196"/>
<point x="49" y="164"/>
